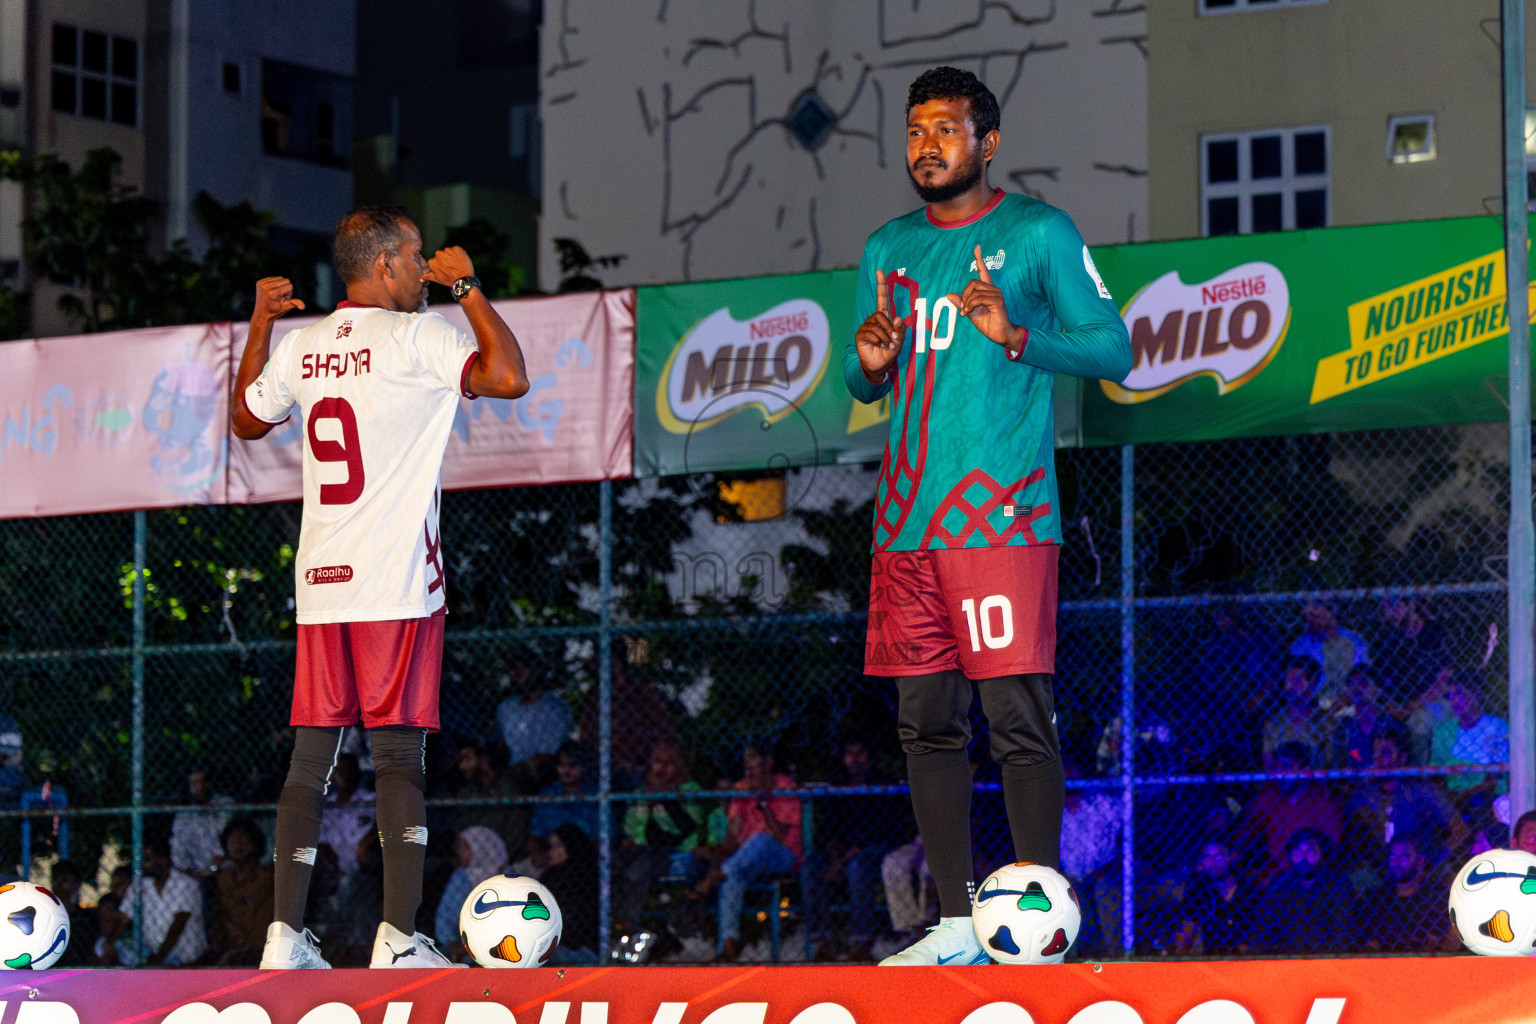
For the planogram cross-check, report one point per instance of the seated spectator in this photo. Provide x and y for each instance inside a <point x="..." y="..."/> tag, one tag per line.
<point x="1301" y="720"/>
<point x="343" y="825"/>
<point x="1282" y="807"/>
<point x="640" y="717"/>
<point x="1470" y="736"/>
<point x="653" y="831"/>
<point x="572" y="780"/>
<point x="1090" y="849"/>
<point x="195" y="847"/>
<point x="762" y="841"/>
<point x="483" y="774"/>
<point x="1426" y="711"/>
<point x="242" y="896"/>
<point x="1332" y="649"/>
<point x="1309" y="904"/>
<point x="1383" y="809"/>
<point x="904" y="873"/>
<point x="1239" y="659"/>
<point x="572" y="878"/>
<point x="1523" y="835"/>
<point x="1412" y="649"/>
<point x="855" y="835"/>
<point x="533" y="722"/>
<point x="1218" y="916"/>
<point x="1407" y="914"/>
<point x="173" y="909"/>
<point x="479" y="854"/>
<point x="114" y="945"/>
<point x="64" y="880"/>
<point x="1362" y="717"/>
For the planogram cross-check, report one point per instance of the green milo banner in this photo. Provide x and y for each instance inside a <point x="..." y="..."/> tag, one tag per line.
<point x="1395" y="325"/>
<point x="747" y="374"/>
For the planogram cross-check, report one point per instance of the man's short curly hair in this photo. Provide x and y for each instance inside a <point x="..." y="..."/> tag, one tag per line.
<point x="946" y="83"/>
<point x="361" y="235"/>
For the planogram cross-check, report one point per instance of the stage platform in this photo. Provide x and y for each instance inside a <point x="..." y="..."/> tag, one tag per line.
<point x="1454" y="990"/>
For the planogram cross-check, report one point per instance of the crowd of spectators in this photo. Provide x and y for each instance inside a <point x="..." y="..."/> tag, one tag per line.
<point x="1326" y="822"/>
<point x="1367" y="803"/>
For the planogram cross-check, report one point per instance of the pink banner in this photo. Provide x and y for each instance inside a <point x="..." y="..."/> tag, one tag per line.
<point x="574" y="423"/>
<point x="1444" y="990"/>
<point x="135" y="419"/>
<point x="140" y="419"/>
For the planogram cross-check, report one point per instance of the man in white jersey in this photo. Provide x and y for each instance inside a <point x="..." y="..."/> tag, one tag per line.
<point x="377" y="383"/>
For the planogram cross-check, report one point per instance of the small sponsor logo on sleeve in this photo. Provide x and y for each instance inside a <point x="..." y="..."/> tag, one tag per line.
<point x="328" y="574"/>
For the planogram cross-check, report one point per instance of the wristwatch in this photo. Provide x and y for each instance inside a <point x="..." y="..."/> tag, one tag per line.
<point x="461" y="287"/>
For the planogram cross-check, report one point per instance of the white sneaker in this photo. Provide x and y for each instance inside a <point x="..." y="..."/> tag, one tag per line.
<point x="287" y="949"/>
<point x="952" y="941"/>
<point x="394" y="948"/>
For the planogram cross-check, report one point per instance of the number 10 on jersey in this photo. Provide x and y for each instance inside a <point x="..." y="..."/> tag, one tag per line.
<point x="925" y="331"/>
<point x="997" y="638"/>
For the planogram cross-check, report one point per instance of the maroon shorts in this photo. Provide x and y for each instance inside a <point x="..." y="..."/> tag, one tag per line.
<point x="384" y="673"/>
<point x="988" y="612"/>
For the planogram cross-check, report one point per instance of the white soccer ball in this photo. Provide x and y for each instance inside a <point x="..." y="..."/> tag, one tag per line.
<point x="1026" y="914"/>
<point x="1493" y="903"/>
<point x="510" y="921"/>
<point x="34" y="927"/>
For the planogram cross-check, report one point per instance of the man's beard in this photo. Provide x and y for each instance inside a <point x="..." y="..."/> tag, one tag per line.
<point x="966" y="177"/>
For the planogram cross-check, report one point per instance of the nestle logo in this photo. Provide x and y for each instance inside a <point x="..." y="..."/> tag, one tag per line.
<point x="328" y="574"/>
<point x="1231" y="291"/>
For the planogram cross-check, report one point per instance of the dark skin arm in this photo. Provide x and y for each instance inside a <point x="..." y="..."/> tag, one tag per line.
<point x="178" y="925"/>
<point x="499" y="372"/>
<point x="879" y="338"/>
<point x="274" y="299"/>
<point x="982" y="303"/>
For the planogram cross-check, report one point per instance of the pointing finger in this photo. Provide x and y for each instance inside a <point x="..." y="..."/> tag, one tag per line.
<point x="880" y="298"/>
<point x="981" y="267"/>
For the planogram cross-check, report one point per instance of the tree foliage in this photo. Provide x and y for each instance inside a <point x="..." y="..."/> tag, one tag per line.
<point x="89" y="230"/>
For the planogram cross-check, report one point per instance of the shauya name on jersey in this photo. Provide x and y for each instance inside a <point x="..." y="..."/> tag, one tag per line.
<point x="336" y="364"/>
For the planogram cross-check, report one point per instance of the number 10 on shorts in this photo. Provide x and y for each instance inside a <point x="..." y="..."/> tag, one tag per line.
<point x="994" y="639"/>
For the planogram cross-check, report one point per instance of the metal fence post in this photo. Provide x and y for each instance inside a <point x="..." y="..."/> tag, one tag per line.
<point x="1522" y="543"/>
<point x="605" y="718"/>
<point x="1128" y="697"/>
<point x="140" y="529"/>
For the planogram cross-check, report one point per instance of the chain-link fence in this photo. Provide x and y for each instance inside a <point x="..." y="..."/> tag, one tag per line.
<point x="1280" y="685"/>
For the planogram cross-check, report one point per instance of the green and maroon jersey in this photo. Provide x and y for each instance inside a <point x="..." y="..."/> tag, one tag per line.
<point x="970" y="458"/>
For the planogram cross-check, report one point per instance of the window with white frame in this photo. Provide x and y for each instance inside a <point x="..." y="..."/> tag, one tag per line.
<point x="95" y="75"/>
<point x="1270" y="180"/>
<point x="1230" y="6"/>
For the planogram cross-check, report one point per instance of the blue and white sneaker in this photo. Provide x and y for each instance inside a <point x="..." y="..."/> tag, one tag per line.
<point x="952" y="941"/>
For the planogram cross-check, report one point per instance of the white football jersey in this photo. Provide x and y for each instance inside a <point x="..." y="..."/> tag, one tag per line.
<point x="378" y="391"/>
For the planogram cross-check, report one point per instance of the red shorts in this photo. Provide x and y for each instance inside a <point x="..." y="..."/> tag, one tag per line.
<point x="988" y="612"/>
<point x="384" y="673"/>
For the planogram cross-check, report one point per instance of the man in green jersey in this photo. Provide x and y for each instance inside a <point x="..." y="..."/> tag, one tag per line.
<point x="968" y="308"/>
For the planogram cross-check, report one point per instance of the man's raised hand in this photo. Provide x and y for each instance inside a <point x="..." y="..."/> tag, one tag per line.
<point x="982" y="303"/>
<point x="274" y="298"/>
<point x="880" y="338"/>
<point x="448" y="265"/>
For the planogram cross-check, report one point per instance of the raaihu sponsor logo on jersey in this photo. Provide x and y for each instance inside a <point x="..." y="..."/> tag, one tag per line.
<point x="328" y="574"/>
<point x="1227" y="328"/>
<point x="1417" y="323"/>
<point x="770" y="361"/>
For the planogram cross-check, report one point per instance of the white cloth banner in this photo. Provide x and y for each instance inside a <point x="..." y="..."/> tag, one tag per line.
<point x="140" y="419"/>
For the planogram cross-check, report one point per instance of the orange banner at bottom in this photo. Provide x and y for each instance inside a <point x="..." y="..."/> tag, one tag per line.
<point x="1453" y="990"/>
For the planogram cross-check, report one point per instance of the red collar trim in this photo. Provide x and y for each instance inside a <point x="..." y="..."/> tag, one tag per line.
<point x="997" y="197"/>
<point x="349" y="304"/>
